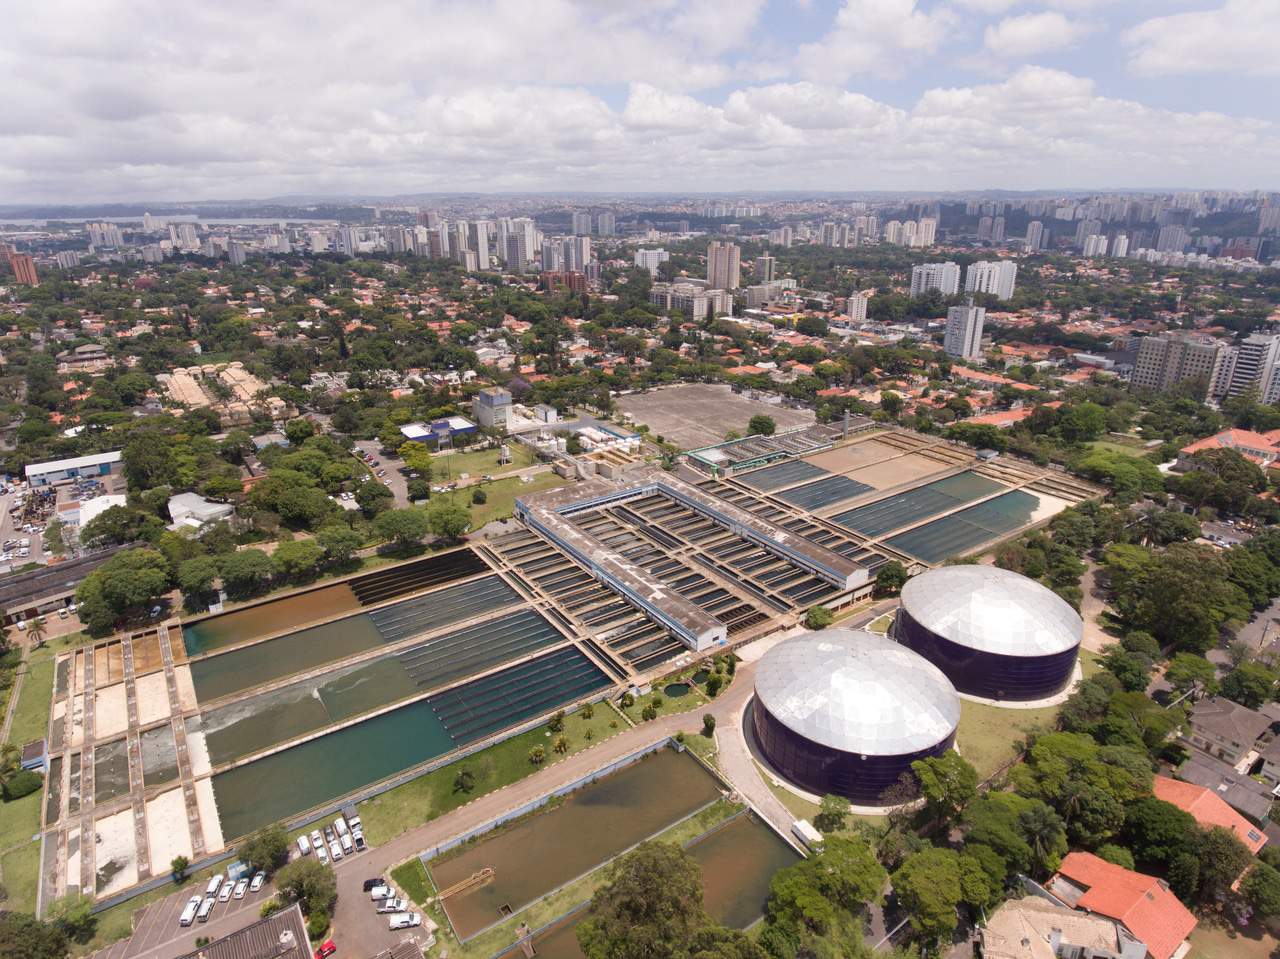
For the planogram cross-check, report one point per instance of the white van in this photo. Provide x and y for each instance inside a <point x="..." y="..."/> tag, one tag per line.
<point x="304" y="845"/>
<point x="348" y="847"/>
<point x="206" y="908"/>
<point x="215" y="883"/>
<point x="189" y="911"/>
<point x="340" y="824"/>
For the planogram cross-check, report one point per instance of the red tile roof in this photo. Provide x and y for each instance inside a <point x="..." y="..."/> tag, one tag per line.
<point x="1209" y="809"/>
<point x="1143" y="904"/>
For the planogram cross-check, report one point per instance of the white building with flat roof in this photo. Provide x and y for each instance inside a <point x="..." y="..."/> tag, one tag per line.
<point x="58" y="471"/>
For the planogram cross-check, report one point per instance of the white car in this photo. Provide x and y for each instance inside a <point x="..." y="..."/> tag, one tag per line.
<point x="189" y="911"/>
<point x="215" y="883"/>
<point x="322" y="853"/>
<point x="335" y="851"/>
<point x="316" y="838"/>
<point x="258" y="879"/>
<point x="304" y="845"/>
<point x="340" y="825"/>
<point x="224" y="894"/>
<point x="348" y="847"/>
<point x="381" y="892"/>
<point x="392" y="905"/>
<point x="241" y="888"/>
<point x="404" y="920"/>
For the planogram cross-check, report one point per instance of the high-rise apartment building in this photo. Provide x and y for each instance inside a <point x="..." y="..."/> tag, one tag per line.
<point x="1255" y="366"/>
<point x="606" y="224"/>
<point x="24" y="269"/>
<point x="964" y="331"/>
<point x="856" y="309"/>
<point x="188" y="237"/>
<point x="991" y="276"/>
<point x="893" y="232"/>
<point x="1167" y="360"/>
<point x="348" y="242"/>
<point x="1035" y="236"/>
<point x="518" y="252"/>
<point x="765" y="267"/>
<point x="552" y="256"/>
<point x="926" y="232"/>
<point x="150" y="224"/>
<point x="1095" y="245"/>
<point x="944" y="277"/>
<point x="1120" y="246"/>
<point x="1269" y="219"/>
<point x="984" y="229"/>
<point x="1087" y="228"/>
<point x="67" y="259"/>
<point x="109" y="235"/>
<point x="480" y="243"/>
<point x="997" y="230"/>
<point x="577" y="253"/>
<point x="1173" y="238"/>
<point x="723" y="265"/>
<point x="649" y="259"/>
<point x="582" y="223"/>
<point x="236" y="253"/>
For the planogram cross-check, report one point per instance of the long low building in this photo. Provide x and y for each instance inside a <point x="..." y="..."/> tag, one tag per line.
<point x="58" y="471"/>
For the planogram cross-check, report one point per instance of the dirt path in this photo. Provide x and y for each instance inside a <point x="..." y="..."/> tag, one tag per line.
<point x="1092" y="606"/>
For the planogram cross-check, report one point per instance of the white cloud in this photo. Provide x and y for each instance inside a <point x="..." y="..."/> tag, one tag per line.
<point x="113" y="101"/>
<point x="1032" y="34"/>
<point x="875" y="36"/>
<point x="1239" y="37"/>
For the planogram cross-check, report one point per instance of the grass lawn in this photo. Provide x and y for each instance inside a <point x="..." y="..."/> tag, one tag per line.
<point x="1214" y="941"/>
<point x="412" y="879"/>
<point x="480" y="462"/>
<point x="20" y="820"/>
<point x="693" y="699"/>
<point x="987" y="734"/>
<point x="21" y="869"/>
<point x="1089" y="665"/>
<point x="427" y="797"/>
<point x="1114" y="445"/>
<point x="501" y="496"/>
<point x="557" y="903"/>
<point x="31" y="712"/>
<point x="880" y="624"/>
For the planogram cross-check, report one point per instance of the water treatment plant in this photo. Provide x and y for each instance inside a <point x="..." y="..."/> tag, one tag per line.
<point x="181" y="738"/>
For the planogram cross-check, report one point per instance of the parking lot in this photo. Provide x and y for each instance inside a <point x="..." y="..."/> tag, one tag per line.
<point x="394" y="479"/>
<point x="9" y="530"/>
<point x="157" y="934"/>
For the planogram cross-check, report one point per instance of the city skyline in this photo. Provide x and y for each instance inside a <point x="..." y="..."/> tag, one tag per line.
<point x="113" y="102"/>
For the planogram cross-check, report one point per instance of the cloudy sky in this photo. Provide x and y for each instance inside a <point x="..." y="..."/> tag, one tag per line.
<point x="142" y="99"/>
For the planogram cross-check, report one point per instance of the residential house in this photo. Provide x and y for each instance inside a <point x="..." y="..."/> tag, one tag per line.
<point x="1035" y="928"/>
<point x="1208" y="809"/>
<point x="1143" y="904"/>
<point x="1225" y="729"/>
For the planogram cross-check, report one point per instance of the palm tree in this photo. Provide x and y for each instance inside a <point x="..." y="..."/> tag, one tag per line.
<point x="537" y="755"/>
<point x="35" y="629"/>
<point x="1043" y="830"/>
<point x="561" y="745"/>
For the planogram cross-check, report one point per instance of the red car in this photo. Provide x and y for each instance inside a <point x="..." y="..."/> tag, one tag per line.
<point x="326" y="949"/>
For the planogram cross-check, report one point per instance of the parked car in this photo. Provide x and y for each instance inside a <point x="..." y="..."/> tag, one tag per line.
<point x="381" y="892"/>
<point x="241" y="888"/>
<point x="224" y="894"/>
<point x="206" y="908"/>
<point x="189" y="911"/>
<point x="348" y="847"/>
<point x="304" y="845"/>
<point x="358" y="836"/>
<point x="375" y="881"/>
<point x="392" y="905"/>
<point x="326" y="949"/>
<point x="340" y="825"/>
<point x="215" y="883"/>
<point x="315" y="838"/>
<point x="335" y="851"/>
<point x="258" y="879"/>
<point x="404" y="920"/>
<point x="322" y="853"/>
<point x="328" y="833"/>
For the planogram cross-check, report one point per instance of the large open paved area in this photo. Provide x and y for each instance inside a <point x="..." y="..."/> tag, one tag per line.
<point x="700" y="414"/>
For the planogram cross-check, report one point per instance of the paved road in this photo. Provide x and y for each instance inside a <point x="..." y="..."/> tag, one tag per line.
<point x="359" y="931"/>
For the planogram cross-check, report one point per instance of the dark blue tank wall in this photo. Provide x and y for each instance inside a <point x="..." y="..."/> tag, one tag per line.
<point x="989" y="675"/>
<point x="820" y="769"/>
